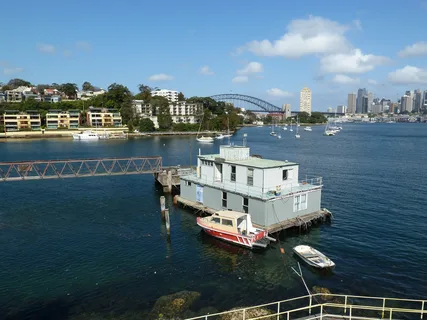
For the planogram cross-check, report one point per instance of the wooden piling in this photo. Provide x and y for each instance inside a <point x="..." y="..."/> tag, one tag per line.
<point x="168" y="226"/>
<point x="169" y="181"/>
<point x="162" y="205"/>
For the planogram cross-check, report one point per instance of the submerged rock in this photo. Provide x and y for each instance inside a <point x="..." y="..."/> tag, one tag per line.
<point x="174" y="305"/>
<point x="325" y="293"/>
<point x="251" y="313"/>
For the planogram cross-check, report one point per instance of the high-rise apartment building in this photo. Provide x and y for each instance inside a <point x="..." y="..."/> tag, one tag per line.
<point x="351" y="103"/>
<point x="305" y="100"/>
<point x="171" y="95"/>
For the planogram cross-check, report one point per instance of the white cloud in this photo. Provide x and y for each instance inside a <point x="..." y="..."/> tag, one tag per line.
<point x="83" y="46"/>
<point x="46" y="48"/>
<point x="205" y="70"/>
<point x="372" y="82"/>
<point x="276" y="92"/>
<point x="408" y="75"/>
<point x="240" y="79"/>
<point x="352" y="62"/>
<point x="304" y="37"/>
<point x="250" y="68"/>
<point x="416" y="49"/>
<point x="160" y="77"/>
<point x="343" y="79"/>
<point x="9" y="71"/>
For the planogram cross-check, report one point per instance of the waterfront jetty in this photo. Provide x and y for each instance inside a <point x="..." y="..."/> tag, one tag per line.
<point x="269" y="190"/>
<point x="169" y="177"/>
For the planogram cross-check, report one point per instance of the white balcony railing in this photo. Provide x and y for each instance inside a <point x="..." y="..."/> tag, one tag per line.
<point x="266" y="193"/>
<point x="328" y="306"/>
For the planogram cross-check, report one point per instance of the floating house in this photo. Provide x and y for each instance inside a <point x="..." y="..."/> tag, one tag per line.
<point x="269" y="190"/>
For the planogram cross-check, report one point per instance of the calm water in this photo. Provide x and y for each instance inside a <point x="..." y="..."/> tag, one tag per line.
<point x="97" y="245"/>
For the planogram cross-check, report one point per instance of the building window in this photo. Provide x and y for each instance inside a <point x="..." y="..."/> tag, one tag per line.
<point x="227" y="222"/>
<point x="250" y="177"/>
<point x="224" y="199"/>
<point x="300" y="202"/>
<point x="188" y="183"/>
<point x="285" y="174"/>
<point x="245" y="205"/>
<point x="233" y="173"/>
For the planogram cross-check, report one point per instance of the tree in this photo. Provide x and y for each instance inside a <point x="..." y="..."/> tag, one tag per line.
<point x="130" y="126"/>
<point x="41" y="87"/>
<point x="144" y="93"/>
<point x="161" y="106"/>
<point x="118" y="96"/>
<point x="69" y="89"/>
<point x="146" y="125"/>
<point x="87" y="86"/>
<point x="6" y="87"/>
<point x="181" y="97"/>
<point x="15" y="83"/>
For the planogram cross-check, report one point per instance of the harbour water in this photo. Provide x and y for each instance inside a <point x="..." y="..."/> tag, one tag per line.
<point x="97" y="245"/>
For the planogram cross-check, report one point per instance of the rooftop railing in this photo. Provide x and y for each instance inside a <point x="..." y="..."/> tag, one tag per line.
<point x="265" y="193"/>
<point x="328" y="306"/>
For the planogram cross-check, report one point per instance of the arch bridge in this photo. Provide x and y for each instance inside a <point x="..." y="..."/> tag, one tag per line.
<point x="258" y="105"/>
<point x="255" y="104"/>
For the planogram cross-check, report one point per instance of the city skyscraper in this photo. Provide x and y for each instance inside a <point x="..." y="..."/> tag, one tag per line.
<point x="418" y="100"/>
<point x="370" y="102"/>
<point x="351" y="103"/>
<point x="361" y="93"/>
<point x="305" y="100"/>
<point x="406" y="103"/>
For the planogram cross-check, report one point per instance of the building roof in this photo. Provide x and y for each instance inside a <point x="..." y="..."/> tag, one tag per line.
<point x="230" y="214"/>
<point x="254" y="162"/>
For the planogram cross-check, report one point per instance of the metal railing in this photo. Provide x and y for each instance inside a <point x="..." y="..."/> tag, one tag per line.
<point x="254" y="191"/>
<point x="328" y="306"/>
<point x="78" y="168"/>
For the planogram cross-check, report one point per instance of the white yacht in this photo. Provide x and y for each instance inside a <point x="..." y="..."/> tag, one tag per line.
<point x="308" y="129"/>
<point x="86" y="135"/>
<point x="205" y="139"/>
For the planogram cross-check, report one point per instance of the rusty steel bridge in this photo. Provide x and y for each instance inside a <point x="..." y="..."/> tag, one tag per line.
<point x="79" y="168"/>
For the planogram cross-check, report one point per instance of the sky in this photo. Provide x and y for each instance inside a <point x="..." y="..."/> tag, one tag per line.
<point x="266" y="49"/>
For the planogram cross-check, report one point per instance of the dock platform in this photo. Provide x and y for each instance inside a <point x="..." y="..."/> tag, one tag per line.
<point x="302" y="222"/>
<point x="169" y="177"/>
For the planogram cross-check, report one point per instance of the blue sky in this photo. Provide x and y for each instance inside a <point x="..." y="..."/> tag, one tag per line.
<point x="267" y="49"/>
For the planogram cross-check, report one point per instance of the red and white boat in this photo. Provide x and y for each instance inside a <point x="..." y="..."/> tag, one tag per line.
<point x="235" y="227"/>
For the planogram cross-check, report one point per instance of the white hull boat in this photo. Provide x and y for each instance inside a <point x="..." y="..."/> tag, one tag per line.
<point x="86" y="135"/>
<point x="313" y="257"/>
<point x="205" y="139"/>
<point x="308" y="129"/>
<point x="219" y="137"/>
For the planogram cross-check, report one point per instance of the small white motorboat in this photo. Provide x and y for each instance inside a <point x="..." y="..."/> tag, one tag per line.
<point x="205" y="139"/>
<point x="220" y="136"/>
<point x="279" y="136"/>
<point x="297" y="136"/>
<point x="313" y="257"/>
<point x="308" y="129"/>
<point x="273" y="134"/>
